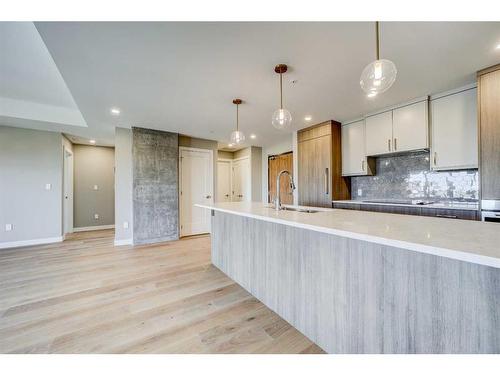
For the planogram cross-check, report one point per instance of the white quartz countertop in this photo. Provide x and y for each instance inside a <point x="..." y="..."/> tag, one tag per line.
<point x="471" y="241"/>
<point x="443" y="205"/>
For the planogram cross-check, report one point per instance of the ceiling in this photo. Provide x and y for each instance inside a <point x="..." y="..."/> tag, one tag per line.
<point x="182" y="77"/>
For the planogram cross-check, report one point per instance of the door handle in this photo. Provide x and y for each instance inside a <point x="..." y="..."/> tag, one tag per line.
<point x="363" y="165"/>
<point x="389" y="144"/>
<point x="395" y="144"/>
<point x="208" y="196"/>
<point x="227" y="195"/>
<point x="326" y="181"/>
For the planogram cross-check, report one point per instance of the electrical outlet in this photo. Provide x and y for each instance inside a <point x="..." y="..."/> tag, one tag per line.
<point x="8" y="227"/>
<point x="360" y="192"/>
<point x="125" y="224"/>
<point x="96" y="216"/>
<point x="48" y="186"/>
<point x="96" y="187"/>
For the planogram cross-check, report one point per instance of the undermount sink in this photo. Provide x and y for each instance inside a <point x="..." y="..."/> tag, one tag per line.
<point x="298" y="209"/>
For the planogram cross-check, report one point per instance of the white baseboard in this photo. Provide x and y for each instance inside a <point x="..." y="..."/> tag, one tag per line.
<point x="127" y="241"/>
<point x="97" y="227"/>
<point x="38" y="241"/>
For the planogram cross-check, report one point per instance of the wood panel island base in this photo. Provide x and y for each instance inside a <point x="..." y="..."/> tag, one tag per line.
<point x="349" y="292"/>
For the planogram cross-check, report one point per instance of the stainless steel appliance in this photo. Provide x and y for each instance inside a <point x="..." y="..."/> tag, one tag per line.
<point x="490" y="210"/>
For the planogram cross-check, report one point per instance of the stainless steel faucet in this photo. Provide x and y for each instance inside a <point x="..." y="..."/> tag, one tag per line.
<point x="277" y="200"/>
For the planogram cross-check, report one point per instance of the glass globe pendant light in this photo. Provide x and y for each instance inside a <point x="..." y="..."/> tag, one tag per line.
<point x="378" y="76"/>
<point x="237" y="136"/>
<point x="281" y="117"/>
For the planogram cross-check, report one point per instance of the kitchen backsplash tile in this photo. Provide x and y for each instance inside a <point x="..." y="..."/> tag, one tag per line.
<point x="408" y="176"/>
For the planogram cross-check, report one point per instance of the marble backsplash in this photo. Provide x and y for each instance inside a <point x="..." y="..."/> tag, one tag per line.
<point x="408" y="176"/>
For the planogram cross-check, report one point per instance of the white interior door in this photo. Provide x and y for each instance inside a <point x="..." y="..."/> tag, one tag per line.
<point x="196" y="184"/>
<point x="224" y="190"/>
<point x="68" y="192"/>
<point x="241" y="180"/>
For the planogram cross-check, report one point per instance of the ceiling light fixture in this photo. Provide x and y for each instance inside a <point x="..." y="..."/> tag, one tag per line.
<point x="230" y="145"/>
<point x="92" y="141"/>
<point x="253" y="136"/>
<point x="378" y="76"/>
<point x="281" y="117"/>
<point x="237" y="136"/>
<point x="115" y="111"/>
<point x="308" y="118"/>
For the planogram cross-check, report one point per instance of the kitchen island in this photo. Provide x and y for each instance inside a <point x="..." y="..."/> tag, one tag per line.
<point x="367" y="282"/>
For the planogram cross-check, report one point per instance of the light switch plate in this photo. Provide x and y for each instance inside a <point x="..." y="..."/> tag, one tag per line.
<point x="96" y="216"/>
<point x="8" y="227"/>
<point x="360" y="192"/>
<point x="48" y="186"/>
<point x="125" y="224"/>
<point x="96" y="187"/>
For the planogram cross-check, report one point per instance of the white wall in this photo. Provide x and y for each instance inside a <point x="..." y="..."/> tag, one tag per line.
<point x="123" y="186"/>
<point x="285" y="145"/>
<point x="30" y="159"/>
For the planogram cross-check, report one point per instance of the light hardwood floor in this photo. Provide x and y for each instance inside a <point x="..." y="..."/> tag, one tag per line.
<point x="86" y="296"/>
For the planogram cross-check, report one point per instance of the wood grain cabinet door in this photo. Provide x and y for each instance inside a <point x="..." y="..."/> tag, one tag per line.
<point x="315" y="172"/>
<point x="489" y="118"/>
<point x="276" y="164"/>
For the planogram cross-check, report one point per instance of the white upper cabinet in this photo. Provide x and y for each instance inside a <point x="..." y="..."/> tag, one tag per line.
<point x="454" y="131"/>
<point x="354" y="161"/>
<point x="379" y="134"/>
<point x="410" y="127"/>
<point x="402" y="129"/>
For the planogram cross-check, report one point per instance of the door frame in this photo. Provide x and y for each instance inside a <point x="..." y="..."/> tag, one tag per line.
<point x="230" y="161"/>
<point x="68" y="179"/>
<point x="211" y="159"/>
<point x="269" y="170"/>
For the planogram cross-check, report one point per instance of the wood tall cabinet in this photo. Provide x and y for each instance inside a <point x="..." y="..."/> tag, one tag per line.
<point x="276" y="164"/>
<point x="320" y="165"/>
<point x="489" y="132"/>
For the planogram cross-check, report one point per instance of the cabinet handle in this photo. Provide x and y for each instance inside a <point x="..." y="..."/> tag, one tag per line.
<point x="326" y="181"/>
<point x="395" y="144"/>
<point x="363" y="165"/>
<point x="448" y="216"/>
<point x="389" y="144"/>
<point x="435" y="156"/>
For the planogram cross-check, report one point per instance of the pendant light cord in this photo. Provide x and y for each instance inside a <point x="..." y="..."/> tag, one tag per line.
<point x="378" y="42"/>
<point x="237" y="117"/>
<point x="281" y="89"/>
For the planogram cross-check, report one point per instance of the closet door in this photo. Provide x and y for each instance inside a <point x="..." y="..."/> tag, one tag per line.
<point x="224" y="190"/>
<point x="241" y="181"/>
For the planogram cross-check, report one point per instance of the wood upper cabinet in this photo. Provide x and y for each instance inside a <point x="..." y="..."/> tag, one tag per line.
<point x="454" y="131"/>
<point x="402" y="129"/>
<point x="489" y="125"/>
<point x="354" y="160"/>
<point x="379" y="134"/>
<point x="410" y="127"/>
<point x="319" y="165"/>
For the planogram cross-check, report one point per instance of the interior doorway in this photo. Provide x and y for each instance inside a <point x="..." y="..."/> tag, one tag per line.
<point x="67" y="191"/>
<point x="242" y="189"/>
<point x="275" y="164"/>
<point x="196" y="186"/>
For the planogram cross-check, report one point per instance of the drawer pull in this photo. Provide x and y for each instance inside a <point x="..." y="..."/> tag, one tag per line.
<point x="447" y="216"/>
<point x="389" y="144"/>
<point x="395" y="144"/>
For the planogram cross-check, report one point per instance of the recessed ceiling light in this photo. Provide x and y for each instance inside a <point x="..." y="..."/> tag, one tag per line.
<point x="92" y="141"/>
<point x="498" y="46"/>
<point x="308" y="118"/>
<point x="253" y="136"/>
<point x="115" y="111"/>
<point x="230" y="145"/>
<point x="372" y="95"/>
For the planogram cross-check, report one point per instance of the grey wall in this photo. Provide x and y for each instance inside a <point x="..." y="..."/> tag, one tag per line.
<point x="29" y="160"/>
<point x="123" y="184"/>
<point x="408" y="176"/>
<point x="93" y="165"/>
<point x="155" y="185"/>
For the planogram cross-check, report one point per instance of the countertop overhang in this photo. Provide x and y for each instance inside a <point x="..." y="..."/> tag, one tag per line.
<point x="465" y="240"/>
